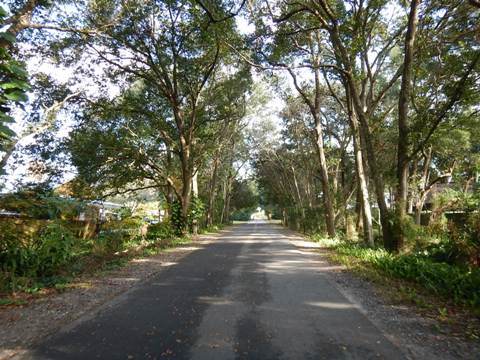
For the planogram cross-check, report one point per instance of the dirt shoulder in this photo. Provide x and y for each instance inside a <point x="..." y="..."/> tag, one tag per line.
<point x="22" y="326"/>
<point x="420" y="335"/>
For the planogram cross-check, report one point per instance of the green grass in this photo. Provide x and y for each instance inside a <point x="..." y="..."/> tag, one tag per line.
<point x="15" y="302"/>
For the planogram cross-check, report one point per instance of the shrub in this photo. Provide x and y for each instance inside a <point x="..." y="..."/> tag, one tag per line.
<point x="43" y="256"/>
<point x="54" y="249"/>
<point x="116" y="234"/>
<point x="42" y="205"/>
<point x="160" y="231"/>
<point x="242" y="214"/>
<point x="196" y="211"/>
<point x="177" y="220"/>
<point x="459" y="283"/>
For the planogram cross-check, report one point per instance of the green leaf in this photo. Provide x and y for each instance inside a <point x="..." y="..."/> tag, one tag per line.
<point x="16" y="96"/>
<point x="15" y="84"/>
<point x="6" y="132"/>
<point x="7" y="36"/>
<point x="6" y="118"/>
<point x="17" y="70"/>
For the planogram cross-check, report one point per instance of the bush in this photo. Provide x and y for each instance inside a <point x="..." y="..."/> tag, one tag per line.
<point x="116" y="234"/>
<point x="43" y="256"/>
<point x="177" y="219"/>
<point x="42" y="205"/>
<point x="457" y="242"/>
<point x="196" y="212"/>
<point x="160" y="231"/>
<point x="459" y="283"/>
<point x="242" y="214"/>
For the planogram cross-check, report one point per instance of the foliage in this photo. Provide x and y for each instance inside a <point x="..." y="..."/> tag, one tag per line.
<point x="177" y="219"/>
<point x="244" y="195"/>
<point x="458" y="283"/>
<point x="242" y="214"/>
<point x="160" y="231"/>
<point x="459" y="244"/>
<point x="116" y="235"/>
<point x="41" y="203"/>
<point x="196" y="211"/>
<point x="49" y="250"/>
<point x="13" y="83"/>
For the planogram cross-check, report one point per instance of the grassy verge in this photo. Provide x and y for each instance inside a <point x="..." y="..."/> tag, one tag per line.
<point x="95" y="263"/>
<point x="446" y="292"/>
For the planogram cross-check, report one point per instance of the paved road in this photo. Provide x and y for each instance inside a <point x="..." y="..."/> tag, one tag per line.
<point x="250" y="294"/>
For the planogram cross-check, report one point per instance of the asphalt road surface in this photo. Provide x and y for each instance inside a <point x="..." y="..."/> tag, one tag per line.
<point x="250" y="294"/>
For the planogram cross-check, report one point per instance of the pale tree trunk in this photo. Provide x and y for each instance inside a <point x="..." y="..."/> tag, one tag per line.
<point x="187" y="174"/>
<point x="363" y="195"/>
<point x="362" y="182"/>
<point x="195" y="195"/>
<point x="422" y="195"/>
<point x="227" y="194"/>
<point x="227" y="187"/>
<point x="314" y="107"/>
<point x="351" y="87"/>
<point x="327" y="199"/>
<point x="375" y="172"/>
<point x="403" y="159"/>
<point x="359" y="211"/>
<point x="212" y="191"/>
<point x="300" y="200"/>
<point x="224" y="199"/>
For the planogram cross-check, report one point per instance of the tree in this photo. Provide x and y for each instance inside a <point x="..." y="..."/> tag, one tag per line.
<point x="13" y="86"/>
<point x="175" y="52"/>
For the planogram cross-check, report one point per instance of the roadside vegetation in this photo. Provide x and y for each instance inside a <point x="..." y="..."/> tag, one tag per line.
<point x="351" y="119"/>
<point x="52" y="248"/>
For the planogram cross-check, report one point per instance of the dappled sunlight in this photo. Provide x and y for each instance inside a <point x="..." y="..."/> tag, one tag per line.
<point x="146" y="260"/>
<point x="154" y="261"/>
<point x="331" y="305"/>
<point x="331" y="268"/>
<point x="171" y="263"/>
<point x="306" y="244"/>
<point x="190" y="248"/>
<point x="300" y="252"/>
<point x="213" y="300"/>
<point x="6" y="353"/>
<point x="128" y="279"/>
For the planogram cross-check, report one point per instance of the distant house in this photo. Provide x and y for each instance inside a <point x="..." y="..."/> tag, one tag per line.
<point x="104" y="210"/>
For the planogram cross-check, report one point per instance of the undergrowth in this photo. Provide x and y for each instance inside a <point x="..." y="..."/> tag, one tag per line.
<point x="460" y="284"/>
<point x="55" y="256"/>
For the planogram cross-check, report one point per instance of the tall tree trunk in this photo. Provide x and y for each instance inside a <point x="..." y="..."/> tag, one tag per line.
<point x="300" y="200"/>
<point x="362" y="181"/>
<point x="327" y="198"/>
<point x="375" y="172"/>
<point x="187" y="174"/>
<point x="228" y="196"/>
<point x="212" y="190"/>
<point x="195" y="195"/>
<point x="314" y="108"/>
<point x="351" y="87"/>
<point x="403" y="159"/>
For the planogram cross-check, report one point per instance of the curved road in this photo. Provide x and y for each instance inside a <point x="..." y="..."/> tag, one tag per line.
<point x="250" y="294"/>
